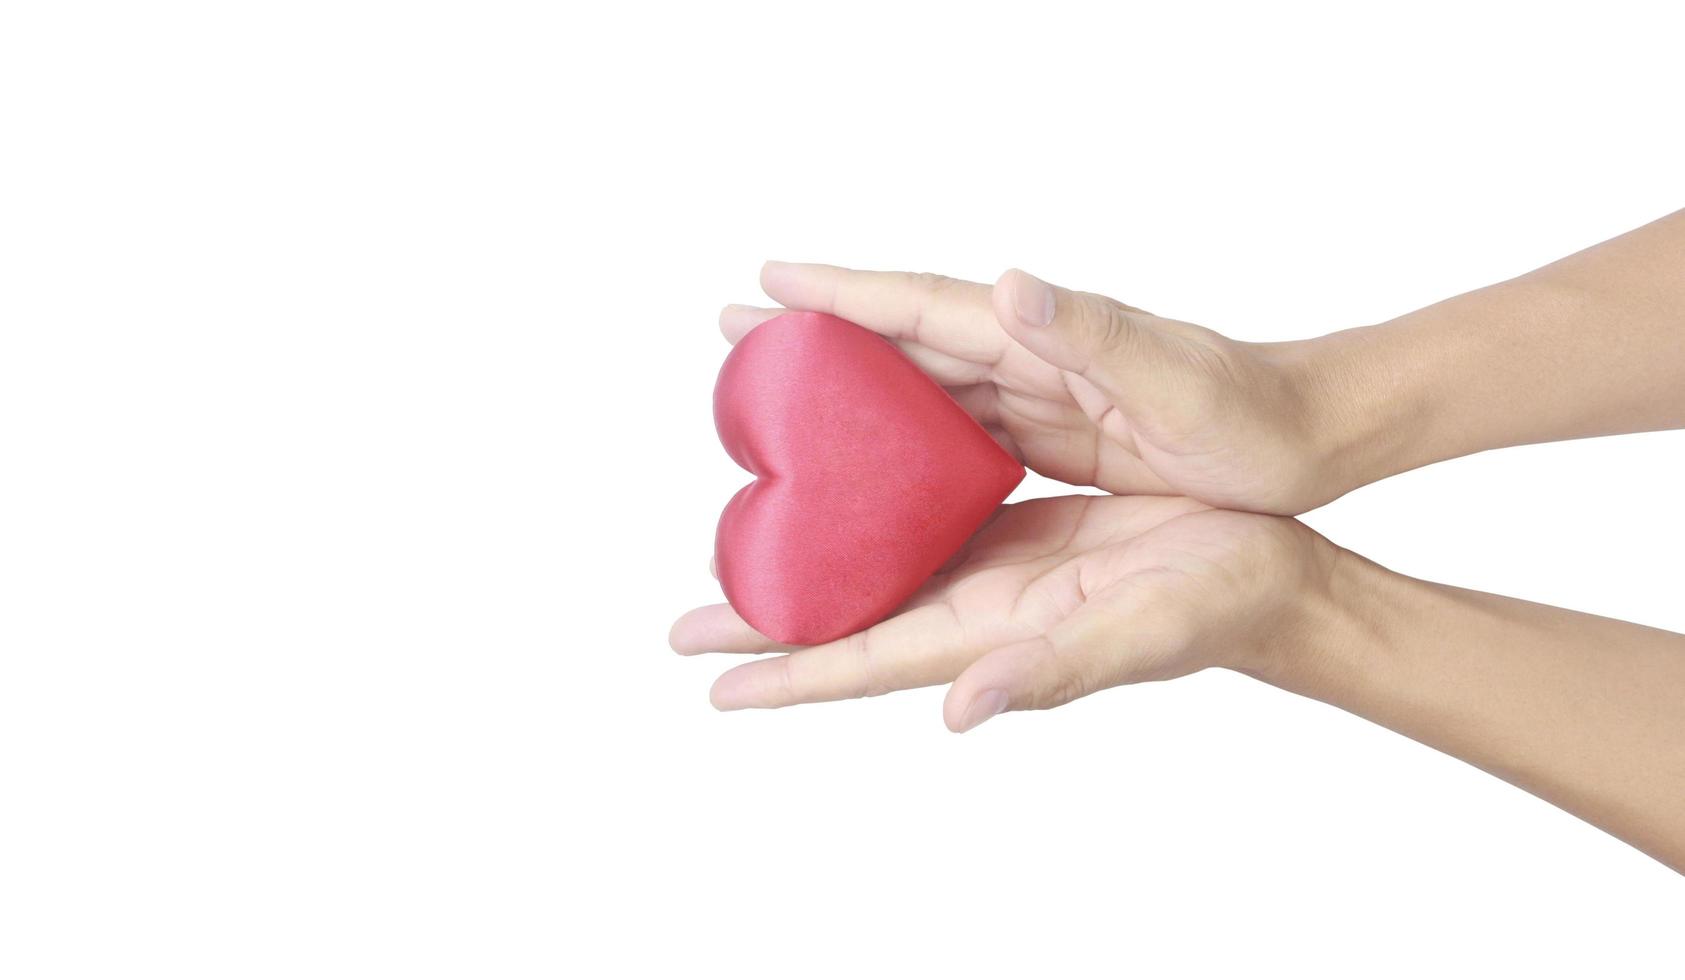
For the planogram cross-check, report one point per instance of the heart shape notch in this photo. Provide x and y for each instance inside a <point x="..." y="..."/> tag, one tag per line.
<point x="868" y="478"/>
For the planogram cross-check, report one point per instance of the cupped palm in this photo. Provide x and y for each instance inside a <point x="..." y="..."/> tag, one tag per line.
<point x="1075" y="593"/>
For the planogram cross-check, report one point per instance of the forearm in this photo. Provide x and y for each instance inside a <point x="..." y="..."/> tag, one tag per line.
<point x="1586" y="712"/>
<point x="1591" y="345"/>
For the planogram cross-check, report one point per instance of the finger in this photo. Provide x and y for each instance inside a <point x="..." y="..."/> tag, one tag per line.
<point x="983" y="403"/>
<point x="949" y="316"/>
<point x="920" y="647"/>
<point x="1093" y="649"/>
<point x="944" y="369"/>
<point x="737" y="319"/>
<point x="1005" y="440"/>
<point x="718" y="629"/>
<point x="714" y="569"/>
<point x="1121" y="350"/>
<point x="980" y="401"/>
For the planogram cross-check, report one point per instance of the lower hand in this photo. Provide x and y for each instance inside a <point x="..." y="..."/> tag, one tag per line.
<point x="1054" y="599"/>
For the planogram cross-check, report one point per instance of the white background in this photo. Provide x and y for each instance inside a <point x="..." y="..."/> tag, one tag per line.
<point x="355" y="455"/>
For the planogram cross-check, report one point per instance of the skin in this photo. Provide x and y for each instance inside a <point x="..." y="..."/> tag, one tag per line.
<point x="1207" y="442"/>
<point x="1044" y="581"/>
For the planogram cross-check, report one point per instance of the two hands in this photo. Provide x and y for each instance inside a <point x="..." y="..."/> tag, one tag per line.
<point x="1204" y="447"/>
<point x="1060" y="597"/>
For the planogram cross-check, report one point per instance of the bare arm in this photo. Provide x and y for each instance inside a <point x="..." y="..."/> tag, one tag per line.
<point x="1586" y="712"/>
<point x="1590" y="345"/>
<point x="1087" y="390"/>
<point x="1061" y="597"/>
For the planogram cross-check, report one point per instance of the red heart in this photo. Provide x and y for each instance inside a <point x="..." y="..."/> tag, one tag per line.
<point x="869" y="477"/>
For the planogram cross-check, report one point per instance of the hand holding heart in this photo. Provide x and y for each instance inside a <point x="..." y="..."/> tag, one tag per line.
<point x="868" y="476"/>
<point x="1089" y="391"/>
<point x="1052" y="600"/>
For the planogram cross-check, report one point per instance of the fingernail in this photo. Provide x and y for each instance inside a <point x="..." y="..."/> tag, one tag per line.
<point x="983" y="707"/>
<point x="1033" y="300"/>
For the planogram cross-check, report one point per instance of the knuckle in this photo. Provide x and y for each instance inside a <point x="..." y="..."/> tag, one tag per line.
<point x="1215" y="363"/>
<point x="1063" y="690"/>
<point x="1064" y="679"/>
<point x="1108" y="326"/>
<point x="1213" y="378"/>
<point x="930" y="282"/>
<point x="871" y="680"/>
<point x="785" y="682"/>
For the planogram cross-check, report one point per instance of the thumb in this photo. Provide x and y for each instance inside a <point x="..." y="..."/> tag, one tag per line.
<point x="1123" y="351"/>
<point x="1095" y="648"/>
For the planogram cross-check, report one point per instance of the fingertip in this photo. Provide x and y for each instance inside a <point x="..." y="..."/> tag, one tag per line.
<point x="1002" y="294"/>
<point x="1023" y="298"/>
<point x="994" y="683"/>
<point x="772" y="272"/>
<point x="727" y="691"/>
<point x="1007" y="279"/>
<point x="962" y="711"/>
<point x="737" y="319"/>
<point x="1005" y="440"/>
<point x="801" y="285"/>
<point x="681" y="636"/>
<point x="1062" y="327"/>
<point x="718" y="629"/>
<point x="953" y="708"/>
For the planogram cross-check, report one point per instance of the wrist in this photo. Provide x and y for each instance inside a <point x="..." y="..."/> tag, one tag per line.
<point x="1328" y="622"/>
<point x="1345" y="627"/>
<point x="1365" y="411"/>
<point x="1307" y="616"/>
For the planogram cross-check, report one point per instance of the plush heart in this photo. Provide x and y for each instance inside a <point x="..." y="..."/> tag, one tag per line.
<point x="868" y="477"/>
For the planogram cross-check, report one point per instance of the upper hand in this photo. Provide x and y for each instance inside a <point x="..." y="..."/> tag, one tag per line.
<point x="1089" y="391"/>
